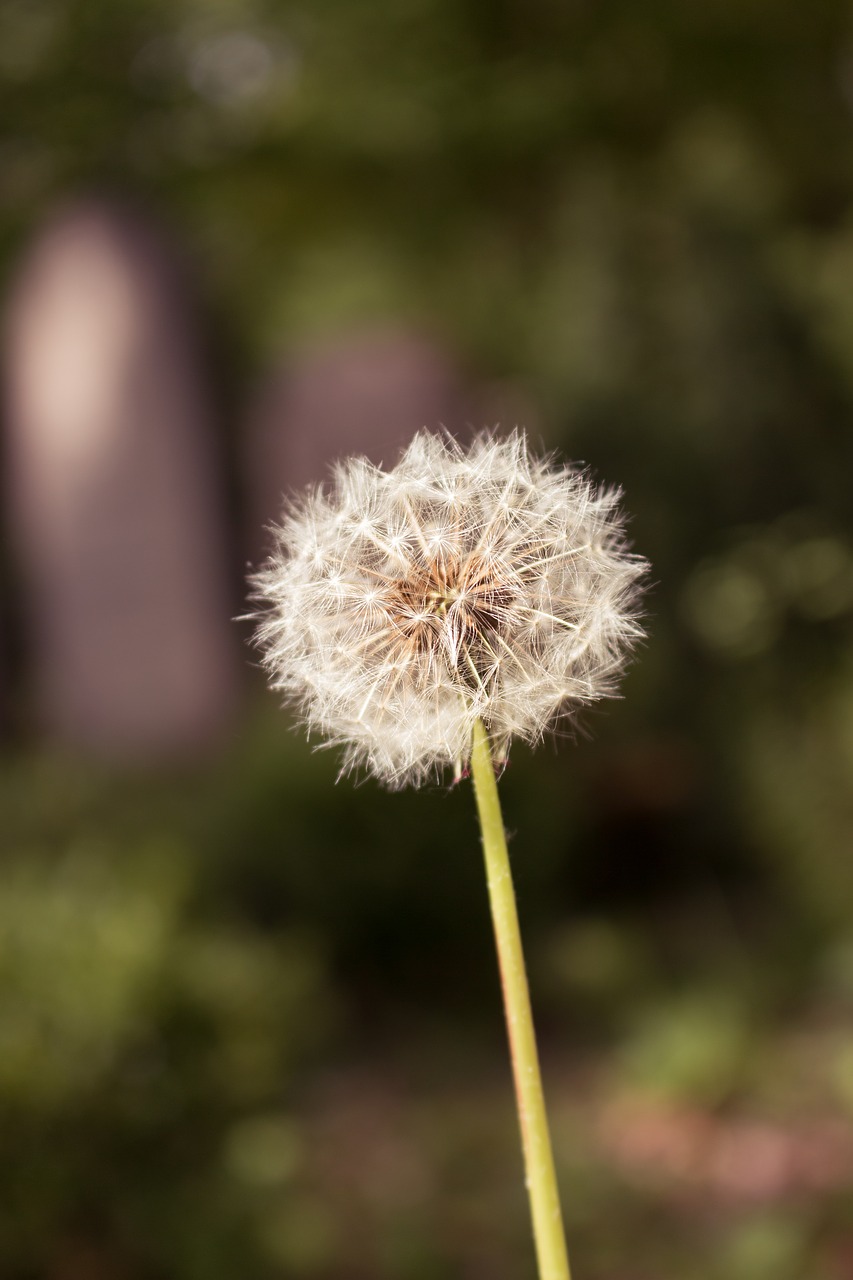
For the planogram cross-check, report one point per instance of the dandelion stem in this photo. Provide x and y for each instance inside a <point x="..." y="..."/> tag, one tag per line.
<point x="535" y="1139"/>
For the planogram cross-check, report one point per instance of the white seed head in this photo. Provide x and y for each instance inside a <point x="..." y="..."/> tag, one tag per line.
<point x="399" y="606"/>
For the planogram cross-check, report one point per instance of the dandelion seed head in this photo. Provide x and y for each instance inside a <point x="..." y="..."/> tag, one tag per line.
<point x="400" y="606"/>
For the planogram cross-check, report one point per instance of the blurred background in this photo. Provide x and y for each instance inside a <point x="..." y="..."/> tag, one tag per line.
<point x="250" y="1021"/>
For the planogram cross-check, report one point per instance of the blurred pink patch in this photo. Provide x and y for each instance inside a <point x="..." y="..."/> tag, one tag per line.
<point x="731" y="1158"/>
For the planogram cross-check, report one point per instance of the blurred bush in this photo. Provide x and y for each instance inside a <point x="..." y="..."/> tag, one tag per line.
<point x="148" y="1055"/>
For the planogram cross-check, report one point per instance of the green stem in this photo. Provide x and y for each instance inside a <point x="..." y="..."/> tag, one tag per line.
<point x="535" y="1138"/>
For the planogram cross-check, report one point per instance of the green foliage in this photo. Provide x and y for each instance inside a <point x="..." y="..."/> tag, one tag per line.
<point x="148" y="1049"/>
<point x="693" y="1047"/>
<point x="81" y="955"/>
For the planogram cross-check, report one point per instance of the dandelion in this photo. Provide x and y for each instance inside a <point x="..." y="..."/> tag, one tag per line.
<point x="406" y="605"/>
<point x="425" y="617"/>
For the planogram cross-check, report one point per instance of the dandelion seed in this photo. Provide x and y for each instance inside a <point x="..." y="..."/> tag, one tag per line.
<point x="485" y="584"/>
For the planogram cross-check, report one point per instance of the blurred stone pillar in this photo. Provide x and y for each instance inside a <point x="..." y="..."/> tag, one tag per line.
<point x="114" y="495"/>
<point x="366" y="394"/>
